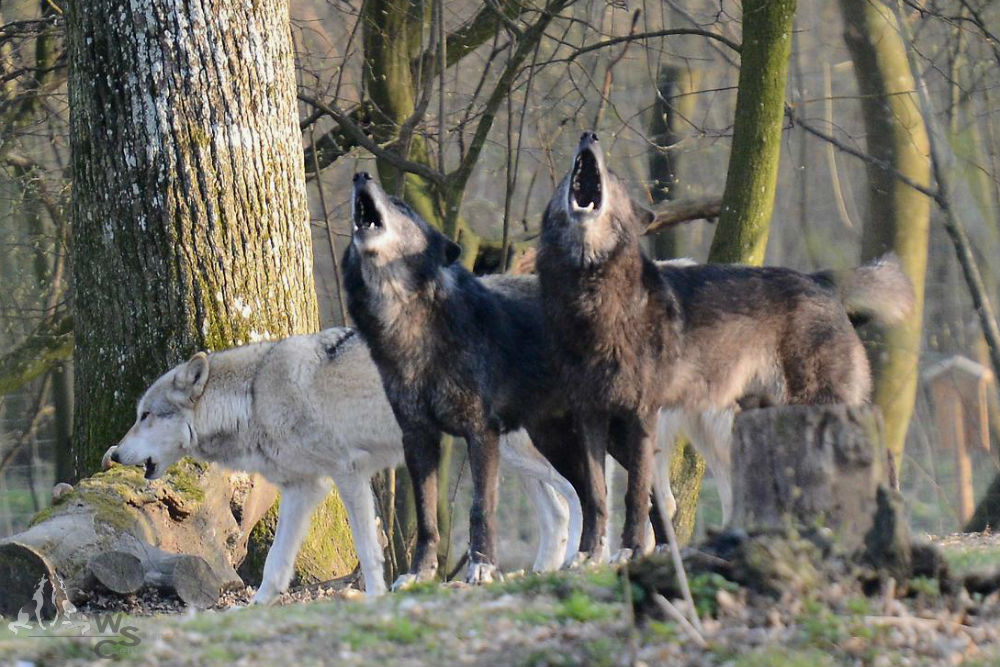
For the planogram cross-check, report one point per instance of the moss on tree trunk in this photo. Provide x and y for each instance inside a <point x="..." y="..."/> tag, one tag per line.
<point x="686" y="472"/>
<point x="898" y="215"/>
<point x="748" y="200"/>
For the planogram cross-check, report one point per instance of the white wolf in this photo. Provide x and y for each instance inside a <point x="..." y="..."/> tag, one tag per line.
<point x="300" y="411"/>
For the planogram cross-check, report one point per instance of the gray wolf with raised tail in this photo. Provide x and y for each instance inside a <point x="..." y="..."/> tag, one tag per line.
<point x="631" y="337"/>
<point x="302" y="411"/>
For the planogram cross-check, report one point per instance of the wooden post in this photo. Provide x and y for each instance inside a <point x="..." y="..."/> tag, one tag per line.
<point x="960" y="387"/>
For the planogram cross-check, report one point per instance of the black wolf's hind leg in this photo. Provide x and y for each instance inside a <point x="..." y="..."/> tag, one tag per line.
<point x="593" y="430"/>
<point x="484" y="455"/>
<point x="422" y="449"/>
<point x="641" y="434"/>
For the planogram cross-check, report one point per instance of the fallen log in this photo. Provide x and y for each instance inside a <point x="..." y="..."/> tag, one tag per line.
<point x="185" y="533"/>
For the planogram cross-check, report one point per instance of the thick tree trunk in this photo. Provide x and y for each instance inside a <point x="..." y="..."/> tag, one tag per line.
<point x="670" y="106"/>
<point x="748" y="200"/>
<point x="191" y="226"/>
<point x="190" y="218"/>
<point x="898" y="215"/>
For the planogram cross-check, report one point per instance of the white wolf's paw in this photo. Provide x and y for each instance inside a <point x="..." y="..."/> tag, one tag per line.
<point x="621" y="557"/>
<point x="404" y="581"/>
<point x="265" y="596"/>
<point x="580" y="560"/>
<point x="376" y="589"/>
<point x="482" y="573"/>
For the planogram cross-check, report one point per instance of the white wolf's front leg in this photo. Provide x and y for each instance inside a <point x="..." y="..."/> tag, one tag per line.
<point x="552" y="513"/>
<point x="669" y="426"/>
<point x="359" y="501"/>
<point x="296" y="509"/>
<point x="711" y="432"/>
<point x="559" y="534"/>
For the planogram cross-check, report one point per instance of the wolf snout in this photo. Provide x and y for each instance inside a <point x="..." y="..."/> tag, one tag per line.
<point x="362" y="177"/>
<point x="588" y="138"/>
<point x="110" y="457"/>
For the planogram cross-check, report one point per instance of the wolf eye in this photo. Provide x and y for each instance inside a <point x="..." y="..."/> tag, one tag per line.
<point x="145" y="414"/>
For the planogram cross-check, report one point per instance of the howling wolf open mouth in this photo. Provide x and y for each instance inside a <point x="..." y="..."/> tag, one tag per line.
<point x="585" y="183"/>
<point x="366" y="215"/>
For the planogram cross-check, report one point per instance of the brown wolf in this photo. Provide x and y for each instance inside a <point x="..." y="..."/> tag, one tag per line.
<point x="631" y="337"/>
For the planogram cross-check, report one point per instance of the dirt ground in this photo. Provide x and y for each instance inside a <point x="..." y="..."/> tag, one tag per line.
<point x="562" y="619"/>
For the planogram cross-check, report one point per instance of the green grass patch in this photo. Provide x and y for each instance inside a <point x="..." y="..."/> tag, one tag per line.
<point x="785" y="656"/>
<point x="704" y="588"/>
<point x="963" y="560"/>
<point x="404" y="631"/>
<point x="820" y="626"/>
<point x="581" y="607"/>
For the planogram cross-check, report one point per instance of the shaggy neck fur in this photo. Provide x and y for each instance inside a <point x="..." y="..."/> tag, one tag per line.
<point x="609" y="317"/>
<point x="393" y="305"/>
<point x="220" y="416"/>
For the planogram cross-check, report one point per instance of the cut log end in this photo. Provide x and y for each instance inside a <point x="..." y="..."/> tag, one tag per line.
<point x="118" y="571"/>
<point x="28" y="583"/>
<point x="194" y="581"/>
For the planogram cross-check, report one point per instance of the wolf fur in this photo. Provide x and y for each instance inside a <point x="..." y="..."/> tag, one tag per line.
<point x="631" y="337"/>
<point x="456" y="354"/>
<point x="300" y="411"/>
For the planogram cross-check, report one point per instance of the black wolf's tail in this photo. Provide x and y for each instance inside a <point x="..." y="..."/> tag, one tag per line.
<point x="877" y="291"/>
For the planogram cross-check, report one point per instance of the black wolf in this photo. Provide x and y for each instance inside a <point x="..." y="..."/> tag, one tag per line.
<point x="456" y="354"/>
<point x="631" y="337"/>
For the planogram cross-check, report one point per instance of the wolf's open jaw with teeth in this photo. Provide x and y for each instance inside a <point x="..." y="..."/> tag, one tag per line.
<point x="585" y="186"/>
<point x="367" y="217"/>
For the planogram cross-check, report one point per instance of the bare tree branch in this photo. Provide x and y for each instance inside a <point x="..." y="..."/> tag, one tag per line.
<point x="49" y="344"/>
<point x="793" y="117"/>
<point x="336" y="143"/>
<point x="525" y="46"/>
<point x="676" y="211"/>
<point x="361" y="139"/>
<point x="477" y="31"/>
<point x="644" y="36"/>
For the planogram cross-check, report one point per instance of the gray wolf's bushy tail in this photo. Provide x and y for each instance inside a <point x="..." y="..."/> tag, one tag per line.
<point x="877" y="291"/>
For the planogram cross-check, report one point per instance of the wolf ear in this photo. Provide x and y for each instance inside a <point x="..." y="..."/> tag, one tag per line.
<point x="643" y="215"/>
<point x="193" y="376"/>
<point x="452" y="251"/>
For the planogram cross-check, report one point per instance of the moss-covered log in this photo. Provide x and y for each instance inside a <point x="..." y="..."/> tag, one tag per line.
<point x="898" y="216"/>
<point x="196" y="514"/>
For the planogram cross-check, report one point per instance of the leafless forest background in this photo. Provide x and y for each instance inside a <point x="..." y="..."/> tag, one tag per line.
<point x="591" y="69"/>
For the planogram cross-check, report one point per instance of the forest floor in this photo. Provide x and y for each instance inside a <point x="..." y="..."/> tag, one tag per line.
<point x="561" y="619"/>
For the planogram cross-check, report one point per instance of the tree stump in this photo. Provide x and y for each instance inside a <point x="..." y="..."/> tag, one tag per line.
<point x="808" y="465"/>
